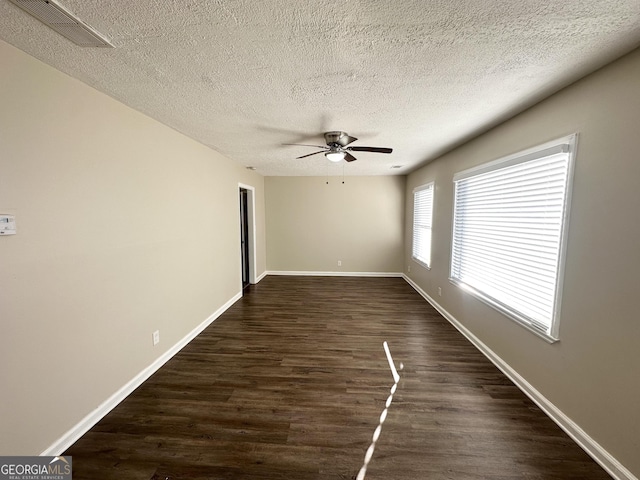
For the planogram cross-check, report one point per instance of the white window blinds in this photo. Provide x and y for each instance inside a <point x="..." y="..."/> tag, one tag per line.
<point x="422" y="215"/>
<point x="509" y="222"/>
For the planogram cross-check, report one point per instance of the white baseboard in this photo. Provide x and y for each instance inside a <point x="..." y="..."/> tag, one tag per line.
<point x="261" y="276"/>
<point x="588" y="444"/>
<point x="84" y="425"/>
<point x="335" y="274"/>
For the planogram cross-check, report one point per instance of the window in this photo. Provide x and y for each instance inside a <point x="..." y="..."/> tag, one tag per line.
<point x="422" y="213"/>
<point x="509" y="224"/>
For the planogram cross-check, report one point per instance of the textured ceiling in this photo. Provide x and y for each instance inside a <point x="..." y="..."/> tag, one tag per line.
<point x="244" y="77"/>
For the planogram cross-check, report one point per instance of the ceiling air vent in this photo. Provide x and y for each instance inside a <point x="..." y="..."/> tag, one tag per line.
<point x="63" y="22"/>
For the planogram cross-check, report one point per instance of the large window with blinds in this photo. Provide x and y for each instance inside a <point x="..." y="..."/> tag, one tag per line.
<point x="510" y="219"/>
<point x="422" y="215"/>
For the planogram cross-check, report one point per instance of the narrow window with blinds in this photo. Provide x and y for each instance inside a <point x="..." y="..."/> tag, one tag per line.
<point x="510" y="219"/>
<point x="422" y="214"/>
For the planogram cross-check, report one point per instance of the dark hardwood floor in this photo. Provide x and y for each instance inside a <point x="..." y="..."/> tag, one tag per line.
<point x="290" y="383"/>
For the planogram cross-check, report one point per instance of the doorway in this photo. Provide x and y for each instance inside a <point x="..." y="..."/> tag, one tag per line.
<point x="247" y="240"/>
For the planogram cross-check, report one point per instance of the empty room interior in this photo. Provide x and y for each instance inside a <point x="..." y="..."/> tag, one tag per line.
<point x="213" y="214"/>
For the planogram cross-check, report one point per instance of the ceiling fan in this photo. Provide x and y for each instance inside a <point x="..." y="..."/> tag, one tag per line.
<point x="337" y="149"/>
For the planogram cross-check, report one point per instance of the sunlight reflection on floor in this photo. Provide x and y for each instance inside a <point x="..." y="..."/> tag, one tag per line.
<point x="383" y="416"/>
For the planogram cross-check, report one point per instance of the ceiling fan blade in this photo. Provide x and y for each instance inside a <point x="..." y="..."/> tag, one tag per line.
<point x="371" y="149"/>
<point x="348" y="157"/>
<point x="305" y="145"/>
<point x="345" y="140"/>
<point x="309" y="154"/>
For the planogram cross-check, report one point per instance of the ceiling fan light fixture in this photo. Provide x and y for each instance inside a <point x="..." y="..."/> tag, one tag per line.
<point x="335" y="156"/>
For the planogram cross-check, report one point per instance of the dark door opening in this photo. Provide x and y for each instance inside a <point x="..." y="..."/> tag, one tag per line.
<point x="244" y="236"/>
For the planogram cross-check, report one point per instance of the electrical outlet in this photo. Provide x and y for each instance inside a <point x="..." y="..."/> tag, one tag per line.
<point x="409" y="268"/>
<point x="156" y="337"/>
<point x="339" y="263"/>
<point x="439" y="291"/>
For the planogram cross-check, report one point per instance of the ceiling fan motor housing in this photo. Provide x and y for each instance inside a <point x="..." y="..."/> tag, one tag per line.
<point x="333" y="138"/>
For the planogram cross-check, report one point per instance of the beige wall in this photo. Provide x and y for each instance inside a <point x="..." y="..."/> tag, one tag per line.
<point x="593" y="373"/>
<point x="312" y="225"/>
<point x="124" y="227"/>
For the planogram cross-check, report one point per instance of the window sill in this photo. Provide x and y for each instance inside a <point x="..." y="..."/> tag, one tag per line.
<point x="489" y="302"/>
<point x="421" y="263"/>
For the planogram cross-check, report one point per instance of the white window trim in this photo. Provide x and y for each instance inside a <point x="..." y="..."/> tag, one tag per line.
<point x="431" y="185"/>
<point x="566" y="144"/>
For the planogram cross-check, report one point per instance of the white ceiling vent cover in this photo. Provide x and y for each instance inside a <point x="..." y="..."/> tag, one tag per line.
<point x="63" y="22"/>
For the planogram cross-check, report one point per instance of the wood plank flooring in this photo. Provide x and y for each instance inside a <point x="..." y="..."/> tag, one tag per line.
<point x="290" y="383"/>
